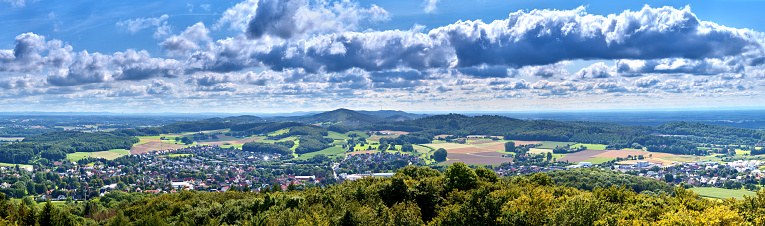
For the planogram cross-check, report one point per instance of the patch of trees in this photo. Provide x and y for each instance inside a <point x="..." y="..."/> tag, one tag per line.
<point x="54" y="145"/>
<point x="338" y="128"/>
<point x="616" y="136"/>
<point x="440" y="155"/>
<point x="594" y="178"/>
<point x="21" y="132"/>
<point x="706" y="133"/>
<point x="275" y="148"/>
<point x="411" y="138"/>
<point x="308" y="144"/>
<point x="250" y="129"/>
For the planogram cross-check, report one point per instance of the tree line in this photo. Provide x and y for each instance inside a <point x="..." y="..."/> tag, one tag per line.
<point x="413" y="196"/>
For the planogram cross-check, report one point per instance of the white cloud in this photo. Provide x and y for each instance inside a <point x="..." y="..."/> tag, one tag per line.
<point x="138" y="24"/>
<point x="180" y="45"/>
<point x="430" y="5"/>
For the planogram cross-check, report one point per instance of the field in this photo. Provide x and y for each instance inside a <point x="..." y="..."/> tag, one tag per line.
<point x="553" y="144"/>
<point x="331" y="151"/>
<point x="521" y="142"/>
<point x="231" y="142"/>
<point x="467" y="148"/>
<point x="28" y="167"/>
<point x="722" y="193"/>
<point x="592" y="146"/>
<point x="539" y="151"/>
<point x="480" y="158"/>
<point x="621" y="153"/>
<point x="110" y="154"/>
<point x="153" y="146"/>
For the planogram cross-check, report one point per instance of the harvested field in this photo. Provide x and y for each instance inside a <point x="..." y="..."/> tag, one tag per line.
<point x="232" y="142"/>
<point x="483" y="158"/>
<point x="376" y="138"/>
<point x="539" y="151"/>
<point x="153" y="146"/>
<point x="651" y="160"/>
<point x="573" y="159"/>
<point x="448" y="146"/>
<point x="657" y="154"/>
<point x="361" y="152"/>
<point x="493" y="144"/>
<point x="622" y="154"/>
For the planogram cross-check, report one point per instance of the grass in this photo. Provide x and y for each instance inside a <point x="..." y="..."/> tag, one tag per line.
<point x="592" y="146"/>
<point x="77" y="156"/>
<point x="741" y="152"/>
<point x="279" y="132"/>
<point x="30" y="167"/>
<point x="358" y="147"/>
<point x="110" y="154"/>
<point x="722" y="193"/>
<point x="421" y="149"/>
<point x="329" y="152"/>
<point x="553" y="144"/>
<point x="141" y="142"/>
<point x="600" y="160"/>
<point x="336" y="136"/>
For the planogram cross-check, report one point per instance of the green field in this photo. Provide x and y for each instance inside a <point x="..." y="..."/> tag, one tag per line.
<point x="279" y="132"/>
<point x="110" y="154"/>
<point x="329" y="152"/>
<point x="592" y="146"/>
<point x="29" y="167"/>
<point x="600" y="160"/>
<point x="553" y="144"/>
<point x="421" y="149"/>
<point x="358" y="147"/>
<point x="722" y="193"/>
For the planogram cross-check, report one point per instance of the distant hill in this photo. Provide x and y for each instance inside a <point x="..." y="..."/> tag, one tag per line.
<point x="238" y="119"/>
<point x="351" y="118"/>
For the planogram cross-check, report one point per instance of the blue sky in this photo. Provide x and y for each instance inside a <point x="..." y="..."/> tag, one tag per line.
<point x="432" y="55"/>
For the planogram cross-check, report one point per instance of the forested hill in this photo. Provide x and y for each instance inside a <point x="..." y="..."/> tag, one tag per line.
<point x="706" y="133"/>
<point x="54" y="145"/>
<point x="416" y="196"/>
<point x="516" y="129"/>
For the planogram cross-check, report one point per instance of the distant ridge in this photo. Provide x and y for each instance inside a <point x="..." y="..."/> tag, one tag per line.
<point x="347" y="117"/>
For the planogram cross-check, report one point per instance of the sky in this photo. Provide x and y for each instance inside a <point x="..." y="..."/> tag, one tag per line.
<point x="265" y="56"/>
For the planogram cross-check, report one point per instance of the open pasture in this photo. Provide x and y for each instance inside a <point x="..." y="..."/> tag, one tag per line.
<point x="722" y="193"/>
<point x="552" y="144"/>
<point x="482" y="158"/>
<point x="522" y="142"/>
<point x="592" y="146"/>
